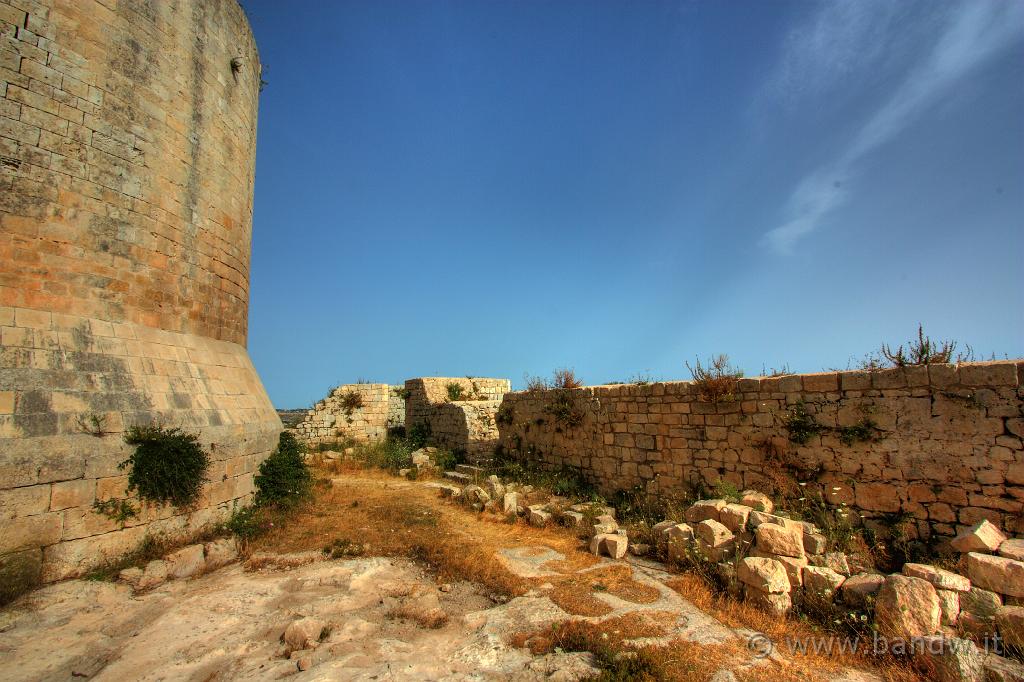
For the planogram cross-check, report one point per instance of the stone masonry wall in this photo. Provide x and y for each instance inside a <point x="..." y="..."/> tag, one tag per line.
<point x="331" y="422"/>
<point x="944" y="445"/>
<point x="467" y="425"/>
<point x="127" y="153"/>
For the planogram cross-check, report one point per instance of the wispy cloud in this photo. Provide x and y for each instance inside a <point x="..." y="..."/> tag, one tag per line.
<point x="972" y="33"/>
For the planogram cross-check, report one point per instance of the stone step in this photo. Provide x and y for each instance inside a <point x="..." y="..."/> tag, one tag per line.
<point x="470" y="469"/>
<point x="458" y="476"/>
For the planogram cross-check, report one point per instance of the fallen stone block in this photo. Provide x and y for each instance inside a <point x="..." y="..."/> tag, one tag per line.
<point x="510" y="503"/>
<point x="815" y="543"/>
<point x="1010" y="623"/>
<point x="702" y="510"/>
<point x="757" y="501"/>
<point x="996" y="573"/>
<point x="949" y="659"/>
<point x="154" y="575"/>
<point x="220" y="553"/>
<point x="573" y="519"/>
<point x="981" y="537"/>
<point x="949" y="606"/>
<point x="756" y="518"/>
<point x="999" y="669"/>
<point x="1012" y="549"/>
<point x="858" y="590"/>
<point x="539" y="517"/>
<point x="714" y="541"/>
<point x="185" y="562"/>
<point x="679" y="539"/>
<point x="605" y="524"/>
<point x="907" y="607"/>
<point x="774" y="539"/>
<point x="131" y="576"/>
<point x="764" y="575"/>
<point x="980" y="603"/>
<point x="304" y="633"/>
<point x="821" y="582"/>
<point x="776" y="603"/>
<point x="940" y="578"/>
<point x="734" y="517"/>
<point x="612" y="544"/>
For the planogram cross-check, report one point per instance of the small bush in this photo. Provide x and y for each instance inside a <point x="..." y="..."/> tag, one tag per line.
<point x="567" y="379"/>
<point x="455" y="391"/>
<point x="350" y="402"/>
<point x="924" y="351"/>
<point x="716" y="382"/>
<point x="168" y="465"/>
<point x="418" y="435"/>
<point x="801" y="425"/>
<point x="284" y="479"/>
<point x="116" y="510"/>
<point x="505" y="414"/>
<point x="562" y="408"/>
<point x="535" y="384"/>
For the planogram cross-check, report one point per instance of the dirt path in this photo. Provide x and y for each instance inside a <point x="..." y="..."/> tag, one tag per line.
<point x="487" y="586"/>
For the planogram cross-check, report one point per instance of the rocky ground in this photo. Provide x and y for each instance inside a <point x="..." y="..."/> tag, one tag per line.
<point x="285" y="613"/>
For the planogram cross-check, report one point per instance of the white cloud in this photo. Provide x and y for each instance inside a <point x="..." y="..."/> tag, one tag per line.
<point x="973" y="32"/>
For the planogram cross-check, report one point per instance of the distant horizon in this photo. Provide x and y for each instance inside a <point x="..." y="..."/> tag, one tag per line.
<point x="506" y="188"/>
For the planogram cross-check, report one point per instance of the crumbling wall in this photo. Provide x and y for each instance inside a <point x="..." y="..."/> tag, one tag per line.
<point x="466" y="424"/>
<point x="335" y="418"/>
<point x="127" y="151"/>
<point x="941" y="443"/>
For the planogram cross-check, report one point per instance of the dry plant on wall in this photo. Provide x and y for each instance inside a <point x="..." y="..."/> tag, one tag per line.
<point x="924" y="351"/>
<point x="716" y="382"/>
<point x="350" y="402"/>
<point x="566" y="378"/>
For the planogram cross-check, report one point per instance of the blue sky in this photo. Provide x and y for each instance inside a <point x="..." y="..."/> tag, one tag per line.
<point x="497" y="188"/>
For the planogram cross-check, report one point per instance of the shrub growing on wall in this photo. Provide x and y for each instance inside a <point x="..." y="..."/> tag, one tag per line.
<point x="284" y="479"/>
<point x="168" y="465"/>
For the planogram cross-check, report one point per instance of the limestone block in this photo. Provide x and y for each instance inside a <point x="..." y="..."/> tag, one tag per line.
<point x="185" y="562"/>
<point x="980" y="602"/>
<point x="220" y="553"/>
<point x="815" y="543"/>
<point x="605" y="524"/>
<point x="940" y="578"/>
<point x="858" y="590"/>
<point x="776" y="603"/>
<point x="1010" y="622"/>
<point x="982" y="537"/>
<point x="304" y="633"/>
<point x="757" y="501"/>
<point x="907" y="607"/>
<point x="1012" y="549"/>
<point x="780" y="540"/>
<point x="996" y="573"/>
<point x="510" y="503"/>
<point x="67" y="494"/>
<point x="679" y="539"/>
<point x="821" y="582"/>
<point x="949" y="659"/>
<point x="763" y="574"/>
<point x="154" y="575"/>
<point x="538" y="517"/>
<point x="702" y="510"/>
<point x="734" y="517"/>
<point x="949" y="605"/>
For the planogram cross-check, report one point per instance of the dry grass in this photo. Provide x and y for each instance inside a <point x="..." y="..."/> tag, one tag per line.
<point x="390" y="517"/>
<point x="575" y="592"/>
<point x="804" y="666"/>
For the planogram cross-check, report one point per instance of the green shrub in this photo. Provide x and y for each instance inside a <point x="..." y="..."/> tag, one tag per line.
<point x="350" y="402"/>
<point x="716" y="382"/>
<point x="418" y="435"/>
<point x="284" y="479"/>
<point x="168" y="465"/>
<point x="455" y="391"/>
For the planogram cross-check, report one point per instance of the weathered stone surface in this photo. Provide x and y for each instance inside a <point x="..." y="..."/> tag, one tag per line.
<point x="821" y="581"/>
<point x="756" y="500"/>
<point x="702" y="510"/>
<point x="763" y="574"/>
<point x="714" y="541"/>
<point x="780" y="540"/>
<point x="777" y="603"/>
<point x="734" y="517"/>
<point x="981" y="537"/>
<point x="857" y="590"/>
<point x="979" y="602"/>
<point x="679" y="539"/>
<point x="949" y="605"/>
<point x="949" y="659"/>
<point x="220" y="552"/>
<point x="510" y="504"/>
<point x="999" y="669"/>
<point x="1012" y="549"/>
<point x="837" y="561"/>
<point x="131" y="576"/>
<point x="612" y="544"/>
<point x="185" y="562"/>
<point x="940" y="578"/>
<point x="539" y="517"/>
<point x="155" y="574"/>
<point x="304" y="633"/>
<point x="815" y="543"/>
<point x="907" y="607"/>
<point x="605" y="524"/>
<point x="1010" y="622"/>
<point x="756" y="518"/>
<point x="996" y="573"/>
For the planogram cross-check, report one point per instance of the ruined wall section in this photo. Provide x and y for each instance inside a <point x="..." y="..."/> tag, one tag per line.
<point x="941" y="443"/>
<point x="336" y="419"/>
<point x="467" y="424"/>
<point x="127" y="151"/>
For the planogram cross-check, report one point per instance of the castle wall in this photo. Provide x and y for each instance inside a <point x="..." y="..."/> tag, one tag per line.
<point x="466" y="424"/>
<point x="941" y="443"/>
<point x="331" y="421"/>
<point x="127" y="151"/>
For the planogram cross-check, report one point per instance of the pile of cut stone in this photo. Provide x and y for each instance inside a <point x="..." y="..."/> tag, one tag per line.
<point x="491" y="495"/>
<point x="422" y="461"/>
<point x="773" y="559"/>
<point x="184" y="563"/>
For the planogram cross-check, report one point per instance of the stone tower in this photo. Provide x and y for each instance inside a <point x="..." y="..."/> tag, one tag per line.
<point x="127" y="152"/>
